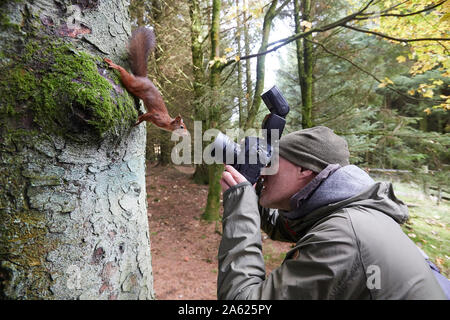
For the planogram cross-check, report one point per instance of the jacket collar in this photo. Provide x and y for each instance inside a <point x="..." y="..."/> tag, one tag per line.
<point x="300" y="197"/>
<point x="331" y="185"/>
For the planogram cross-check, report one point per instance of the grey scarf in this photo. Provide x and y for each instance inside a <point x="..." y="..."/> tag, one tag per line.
<point x="331" y="185"/>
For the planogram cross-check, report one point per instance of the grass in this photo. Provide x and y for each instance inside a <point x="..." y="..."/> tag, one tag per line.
<point x="428" y="224"/>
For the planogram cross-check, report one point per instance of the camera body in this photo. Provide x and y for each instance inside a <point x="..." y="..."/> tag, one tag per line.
<point x="255" y="153"/>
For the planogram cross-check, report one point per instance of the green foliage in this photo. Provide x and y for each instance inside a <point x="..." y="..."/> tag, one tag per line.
<point x="418" y="19"/>
<point x="388" y="125"/>
<point x="417" y="138"/>
<point x="409" y="97"/>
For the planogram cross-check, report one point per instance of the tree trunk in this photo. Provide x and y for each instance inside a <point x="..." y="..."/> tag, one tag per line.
<point x="248" y="67"/>
<point x="304" y="62"/>
<point x="201" y="170"/>
<point x="73" y="218"/>
<point x="212" y="210"/>
<point x="239" y="67"/>
<point x="166" y="148"/>
<point x="271" y="13"/>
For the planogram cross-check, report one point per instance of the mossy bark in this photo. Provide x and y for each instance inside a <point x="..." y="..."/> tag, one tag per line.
<point x="271" y="13"/>
<point x="201" y="170"/>
<point x="304" y="61"/>
<point x="73" y="218"/>
<point x="212" y="210"/>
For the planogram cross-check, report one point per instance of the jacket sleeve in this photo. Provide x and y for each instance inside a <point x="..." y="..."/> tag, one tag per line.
<point x="326" y="262"/>
<point x="241" y="263"/>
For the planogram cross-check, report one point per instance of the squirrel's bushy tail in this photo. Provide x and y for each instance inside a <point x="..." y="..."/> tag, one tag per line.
<point x="142" y="42"/>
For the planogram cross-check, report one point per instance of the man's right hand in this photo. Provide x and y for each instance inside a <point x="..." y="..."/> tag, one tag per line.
<point x="231" y="177"/>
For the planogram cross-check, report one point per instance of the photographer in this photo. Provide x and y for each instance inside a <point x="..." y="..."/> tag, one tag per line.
<point x="349" y="244"/>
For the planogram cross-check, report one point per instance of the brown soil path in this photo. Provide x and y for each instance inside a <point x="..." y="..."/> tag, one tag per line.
<point x="184" y="248"/>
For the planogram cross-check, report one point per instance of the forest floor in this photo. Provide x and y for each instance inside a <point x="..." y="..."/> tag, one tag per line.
<point x="184" y="247"/>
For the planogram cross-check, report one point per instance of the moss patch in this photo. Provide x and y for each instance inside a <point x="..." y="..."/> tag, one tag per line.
<point x="52" y="87"/>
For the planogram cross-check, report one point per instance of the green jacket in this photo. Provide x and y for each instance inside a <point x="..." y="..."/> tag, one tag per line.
<point x="350" y="249"/>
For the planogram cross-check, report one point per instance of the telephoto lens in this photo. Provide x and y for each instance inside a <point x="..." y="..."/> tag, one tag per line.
<point x="254" y="153"/>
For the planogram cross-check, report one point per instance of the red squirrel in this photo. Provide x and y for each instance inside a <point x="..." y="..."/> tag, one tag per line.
<point x="142" y="42"/>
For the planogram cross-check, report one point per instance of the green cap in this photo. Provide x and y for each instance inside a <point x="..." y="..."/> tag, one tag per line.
<point x="314" y="148"/>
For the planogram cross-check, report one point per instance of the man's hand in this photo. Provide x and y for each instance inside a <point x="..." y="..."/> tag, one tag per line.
<point x="231" y="177"/>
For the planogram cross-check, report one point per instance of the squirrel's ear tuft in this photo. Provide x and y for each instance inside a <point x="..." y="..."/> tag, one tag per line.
<point x="178" y="118"/>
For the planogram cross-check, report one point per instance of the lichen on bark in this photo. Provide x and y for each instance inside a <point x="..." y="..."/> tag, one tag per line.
<point x="67" y="92"/>
<point x="73" y="217"/>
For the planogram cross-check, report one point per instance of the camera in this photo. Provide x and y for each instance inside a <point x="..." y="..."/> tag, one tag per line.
<point x="254" y="153"/>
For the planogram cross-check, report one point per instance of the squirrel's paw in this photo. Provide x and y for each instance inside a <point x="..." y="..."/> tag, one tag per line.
<point x="110" y="63"/>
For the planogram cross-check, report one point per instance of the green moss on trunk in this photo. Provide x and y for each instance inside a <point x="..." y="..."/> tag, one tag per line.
<point x="54" y="88"/>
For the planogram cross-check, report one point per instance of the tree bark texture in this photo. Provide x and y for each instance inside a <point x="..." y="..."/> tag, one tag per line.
<point x="212" y="210"/>
<point x="261" y="65"/>
<point x="73" y="216"/>
<point x="304" y="62"/>
<point x="195" y="13"/>
<point x="239" y="67"/>
<point x="248" y="67"/>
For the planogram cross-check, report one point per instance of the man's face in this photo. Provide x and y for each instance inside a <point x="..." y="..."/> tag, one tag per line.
<point x="280" y="187"/>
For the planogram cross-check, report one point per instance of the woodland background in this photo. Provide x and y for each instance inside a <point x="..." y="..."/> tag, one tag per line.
<point x="82" y="201"/>
<point x="376" y="72"/>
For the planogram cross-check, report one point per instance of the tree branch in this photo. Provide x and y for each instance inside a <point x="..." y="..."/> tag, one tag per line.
<point x="393" y="38"/>
<point x="277" y="12"/>
<point x="285" y="41"/>
<point x="376" y="15"/>
<point x="343" y="23"/>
